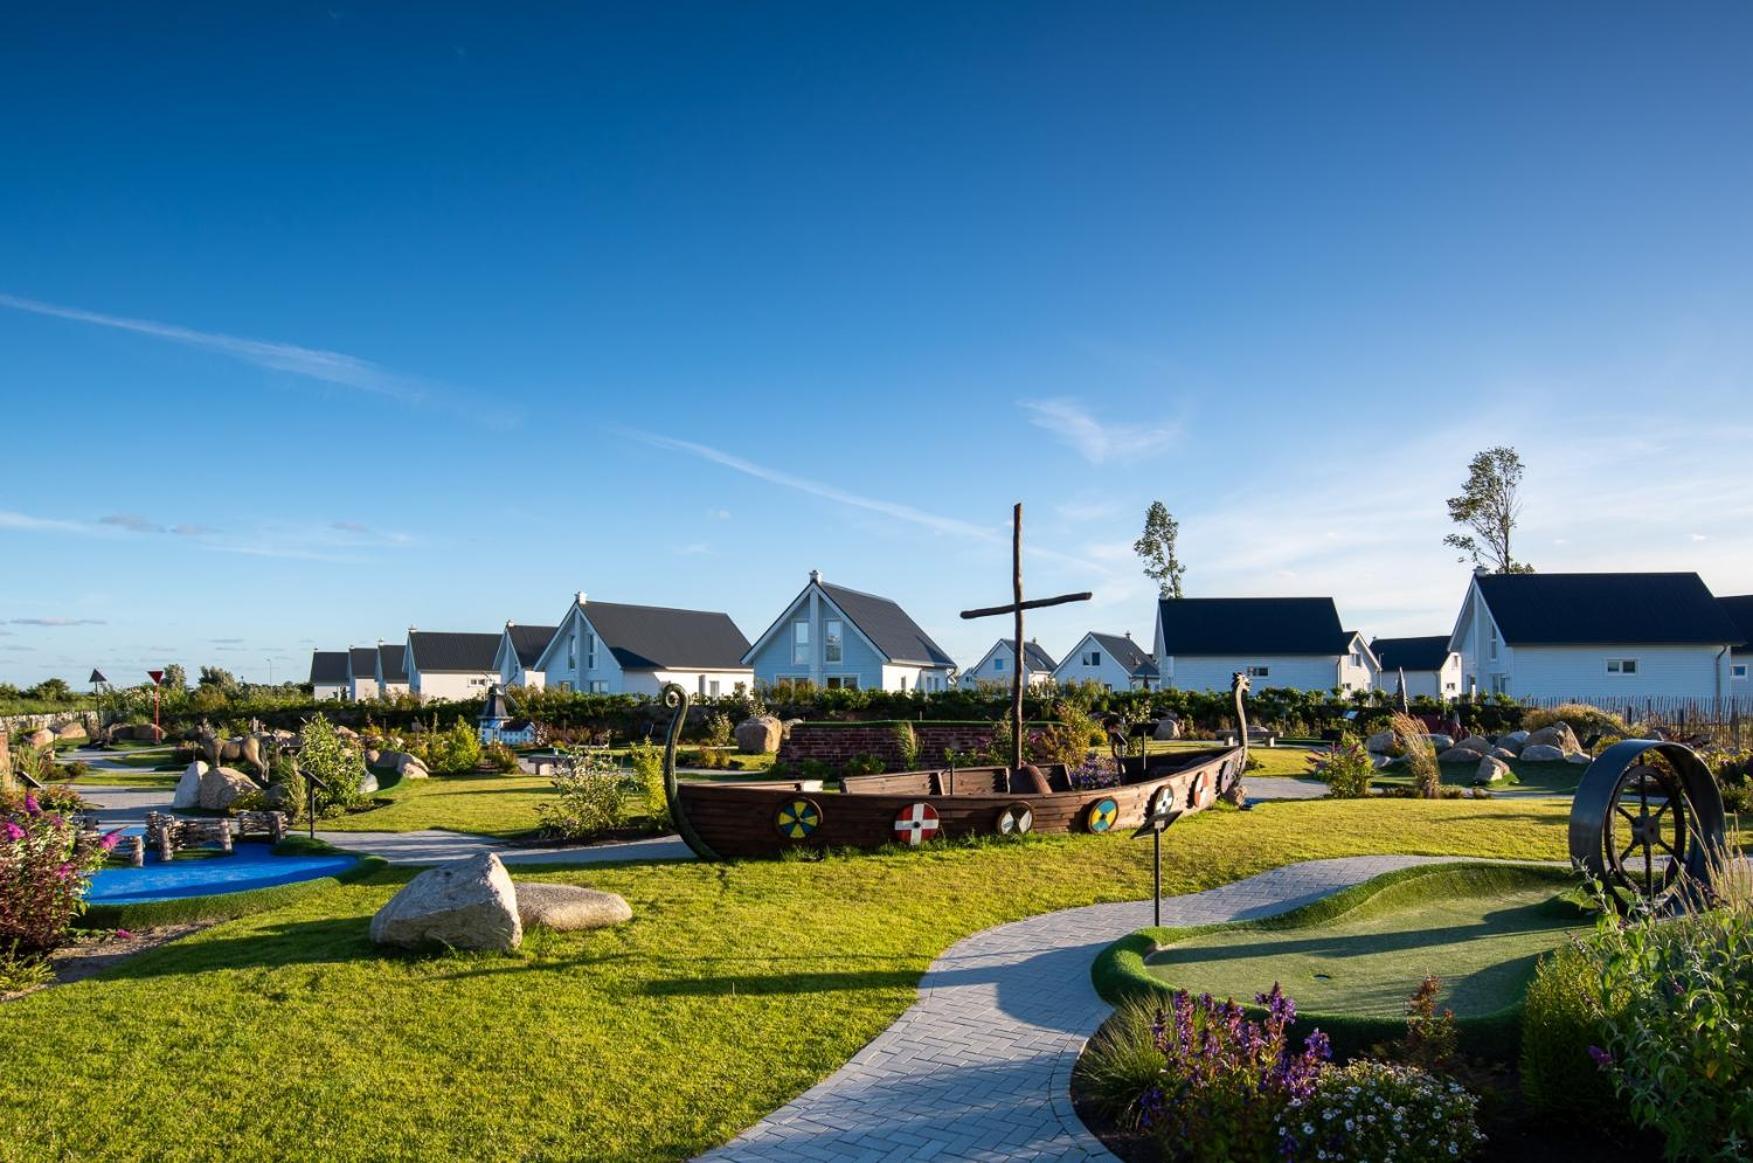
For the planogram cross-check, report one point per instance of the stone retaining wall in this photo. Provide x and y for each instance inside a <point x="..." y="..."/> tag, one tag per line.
<point x="13" y="724"/>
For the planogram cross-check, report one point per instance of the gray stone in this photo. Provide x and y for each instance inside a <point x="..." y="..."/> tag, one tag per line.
<point x="1441" y="742"/>
<point x="1168" y="728"/>
<point x="466" y="904"/>
<point x="1380" y="743"/>
<point x="1491" y="770"/>
<point x="1557" y="735"/>
<point x="367" y="784"/>
<point x="71" y="732"/>
<point x="40" y="738"/>
<point x="148" y="733"/>
<point x="188" y="793"/>
<point x="1459" y="755"/>
<point x="222" y="786"/>
<point x="1478" y="744"/>
<point x="567" y="907"/>
<point x="759" y="735"/>
<point x="408" y="767"/>
<point x="1580" y="758"/>
<point x="1541" y="753"/>
<point x="1502" y="753"/>
<point x="1513" y="741"/>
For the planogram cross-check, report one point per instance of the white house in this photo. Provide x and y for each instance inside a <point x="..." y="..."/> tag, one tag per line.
<point x="1432" y="670"/>
<point x="392" y="670"/>
<point x="615" y="649"/>
<point x="519" y="647"/>
<point x="448" y="665"/>
<point x="1112" y="660"/>
<point x="999" y="664"/>
<point x="362" y="682"/>
<point x="1594" y="637"/>
<point x="1290" y="643"/>
<point x="836" y="637"/>
<point x="328" y="674"/>
<point x="1740" y="611"/>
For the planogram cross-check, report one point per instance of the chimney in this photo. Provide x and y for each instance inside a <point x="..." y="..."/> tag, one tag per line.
<point x="509" y="623"/>
<point x="581" y="597"/>
<point x="1482" y="571"/>
<point x="816" y="576"/>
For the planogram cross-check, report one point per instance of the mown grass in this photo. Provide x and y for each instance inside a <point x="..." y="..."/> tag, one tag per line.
<point x="737" y="986"/>
<point x="490" y="805"/>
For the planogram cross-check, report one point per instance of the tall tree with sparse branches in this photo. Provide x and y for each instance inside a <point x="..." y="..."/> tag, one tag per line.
<point x="1488" y="507"/>
<point x="1157" y="550"/>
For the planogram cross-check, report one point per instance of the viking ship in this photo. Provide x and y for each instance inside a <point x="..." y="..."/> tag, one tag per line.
<point x="725" y="821"/>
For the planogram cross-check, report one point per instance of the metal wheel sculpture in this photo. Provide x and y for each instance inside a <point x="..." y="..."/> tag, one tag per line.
<point x="1647" y="822"/>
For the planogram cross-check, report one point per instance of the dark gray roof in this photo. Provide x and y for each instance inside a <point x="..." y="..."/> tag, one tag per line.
<point x="1599" y="609"/>
<point x="394" y="661"/>
<point x="362" y="661"/>
<point x="1429" y="652"/>
<point x="888" y="627"/>
<point x="1127" y="653"/>
<point x="1253" y="626"/>
<point x="328" y="666"/>
<point x="1740" y="612"/>
<point x="529" y="641"/>
<point x="1036" y="658"/>
<point x="439" y="650"/>
<point x="654" y="637"/>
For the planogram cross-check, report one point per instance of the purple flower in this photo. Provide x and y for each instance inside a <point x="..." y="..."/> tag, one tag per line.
<point x="110" y="840"/>
<point x="124" y="935"/>
<point x="13" y="831"/>
<point x="1602" y="1058"/>
<point x="31" y="807"/>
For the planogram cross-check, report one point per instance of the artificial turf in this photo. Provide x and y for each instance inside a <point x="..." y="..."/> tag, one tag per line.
<point x="287" y="1035"/>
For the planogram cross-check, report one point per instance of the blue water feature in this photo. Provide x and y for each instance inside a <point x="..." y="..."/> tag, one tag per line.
<point x="251" y="865"/>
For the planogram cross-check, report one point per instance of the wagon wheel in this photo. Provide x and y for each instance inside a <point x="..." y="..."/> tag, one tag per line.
<point x="1648" y="834"/>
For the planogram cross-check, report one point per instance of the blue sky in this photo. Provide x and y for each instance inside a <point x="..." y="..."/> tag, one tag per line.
<point x="324" y="321"/>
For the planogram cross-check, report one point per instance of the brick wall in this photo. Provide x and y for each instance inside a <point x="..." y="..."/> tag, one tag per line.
<point x="835" y="743"/>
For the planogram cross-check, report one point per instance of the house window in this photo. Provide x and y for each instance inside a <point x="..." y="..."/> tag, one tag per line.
<point x="1493" y="632"/>
<point x="565" y="686"/>
<point x="571" y="653"/>
<point x="831" y="640"/>
<point x="599" y="686"/>
<point x="843" y="682"/>
<point x="800" y="643"/>
<point x="1092" y="658"/>
<point x="590" y="651"/>
<point x="712" y="688"/>
<point x="998" y="664"/>
<point x="702" y="687"/>
<point x="1259" y="672"/>
<point x="1738" y="670"/>
<point x="1622" y="666"/>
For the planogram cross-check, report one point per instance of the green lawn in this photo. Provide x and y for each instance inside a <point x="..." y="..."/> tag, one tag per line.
<point x="1481" y="938"/>
<point x="737" y="986"/>
<point x="492" y="805"/>
<point x="1557" y="779"/>
<point x="100" y="778"/>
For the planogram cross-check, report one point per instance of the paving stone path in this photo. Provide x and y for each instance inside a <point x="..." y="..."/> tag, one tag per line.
<point x="980" y="1066"/>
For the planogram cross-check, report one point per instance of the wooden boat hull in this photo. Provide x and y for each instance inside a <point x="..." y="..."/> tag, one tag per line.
<point x="741" y="820"/>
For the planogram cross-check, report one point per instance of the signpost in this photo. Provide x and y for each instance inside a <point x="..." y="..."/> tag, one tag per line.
<point x="157" y="677"/>
<point x="1157" y="816"/>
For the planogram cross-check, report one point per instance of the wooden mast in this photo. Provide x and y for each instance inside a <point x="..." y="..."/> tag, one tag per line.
<point x="1016" y="669"/>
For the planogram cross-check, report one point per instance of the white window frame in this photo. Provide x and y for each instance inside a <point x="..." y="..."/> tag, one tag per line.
<point x="590" y="651"/>
<point x="571" y="652"/>
<point x="1738" y="670"/>
<point x="998" y="662"/>
<point x="1259" y="672"/>
<point x="800" y="643"/>
<point x="598" y="686"/>
<point x="1091" y="658"/>
<point x="1625" y="667"/>
<point x="1491" y="630"/>
<point x="841" y="682"/>
<point x="712" y="689"/>
<point x="833" y="641"/>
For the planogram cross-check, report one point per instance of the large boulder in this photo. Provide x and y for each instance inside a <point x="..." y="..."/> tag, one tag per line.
<point x="1491" y="770"/>
<point x="71" y="732"/>
<point x="1580" y="758"/>
<point x="1441" y="742"/>
<point x="223" y="785"/>
<point x="759" y="735"/>
<point x="1478" y="744"/>
<point x="1381" y="743"/>
<point x="1513" y="741"/>
<point x="1459" y="755"/>
<point x="466" y="904"/>
<point x="368" y="784"/>
<point x="1558" y="735"/>
<point x="1542" y="753"/>
<point x="40" y="738"/>
<point x="569" y="906"/>
<point x="1168" y="729"/>
<point x="410" y="767"/>
<point x="188" y="792"/>
<point x="148" y="733"/>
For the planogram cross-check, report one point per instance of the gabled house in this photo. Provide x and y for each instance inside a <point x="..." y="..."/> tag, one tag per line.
<point x="362" y="673"/>
<point x="836" y="637"/>
<point x="328" y="674"/>
<point x="998" y="666"/>
<point x="1292" y="643"/>
<point x="1594" y="636"/>
<point x="1432" y="670"/>
<point x="615" y="649"/>
<point x="519" y="647"/>
<point x="1740" y="611"/>
<point x="1111" y="660"/>
<point x="392" y="670"/>
<point x="449" y="665"/>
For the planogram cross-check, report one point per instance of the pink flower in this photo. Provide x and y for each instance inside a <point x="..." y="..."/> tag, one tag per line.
<point x="13" y="831"/>
<point x="64" y="871"/>
<point x="31" y="807"/>
<point x="124" y="935"/>
<point x="110" y="840"/>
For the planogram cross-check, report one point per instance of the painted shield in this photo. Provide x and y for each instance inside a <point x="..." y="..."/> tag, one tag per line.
<point x="1199" y="791"/>
<point x="1015" y="820"/>
<point x="915" y="824"/>
<point x="798" y="819"/>
<point x="1102" y="814"/>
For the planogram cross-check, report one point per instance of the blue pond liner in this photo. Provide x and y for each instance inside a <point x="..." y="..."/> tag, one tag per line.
<point x="251" y="865"/>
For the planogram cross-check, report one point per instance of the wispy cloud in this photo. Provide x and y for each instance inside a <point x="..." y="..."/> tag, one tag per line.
<point x="358" y="530"/>
<point x="334" y="541"/>
<point x="12" y="520"/>
<point x="132" y="522"/>
<point x="1099" y="441"/>
<point x="57" y="621"/>
<point x="330" y="367"/>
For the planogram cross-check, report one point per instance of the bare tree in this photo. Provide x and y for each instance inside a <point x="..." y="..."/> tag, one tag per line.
<point x="1489" y="506"/>
<point x="1157" y="549"/>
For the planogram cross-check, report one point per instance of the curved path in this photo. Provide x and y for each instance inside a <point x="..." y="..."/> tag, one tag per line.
<point x="980" y="1066"/>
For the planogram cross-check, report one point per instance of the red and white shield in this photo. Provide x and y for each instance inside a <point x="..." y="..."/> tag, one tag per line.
<point x="916" y="824"/>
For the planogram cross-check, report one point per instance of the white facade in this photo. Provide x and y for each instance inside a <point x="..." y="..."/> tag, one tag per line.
<point x="1432" y="684"/>
<point x="1303" y="672"/>
<point x="328" y="690"/>
<point x="1489" y="664"/>
<point x="578" y="660"/>
<point x="447" y="685"/>
<point x="996" y="669"/>
<point x="363" y="687"/>
<point x="1090" y="661"/>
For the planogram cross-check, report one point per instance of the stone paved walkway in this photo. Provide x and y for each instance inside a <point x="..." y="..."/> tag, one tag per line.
<point x="980" y="1066"/>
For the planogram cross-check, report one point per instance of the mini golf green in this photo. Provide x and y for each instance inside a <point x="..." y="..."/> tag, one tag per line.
<point x="1361" y="953"/>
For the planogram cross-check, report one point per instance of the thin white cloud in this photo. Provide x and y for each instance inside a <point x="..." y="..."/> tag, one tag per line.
<point x="330" y="367"/>
<point x="24" y="521"/>
<point x="1099" y="441"/>
<point x="132" y="522"/>
<point x="58" y="622"/>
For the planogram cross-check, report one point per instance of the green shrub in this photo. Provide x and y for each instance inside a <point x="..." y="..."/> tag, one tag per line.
<point x="591" y="796"/>
<point x="1122" y="1061"/>
<point x="1371" y="1110"/>
<point x="499" y="757"/>
<point x="1344" y="767"/>
<point x="719" y="731"/>
<point x="1562" y="1017"/>
<point x="863" y="765"/>
<point x="337" y="764"/>
<point x="452" y="751"/>
<point x="647" y="760"/>
<point x="1584" y="719"/>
